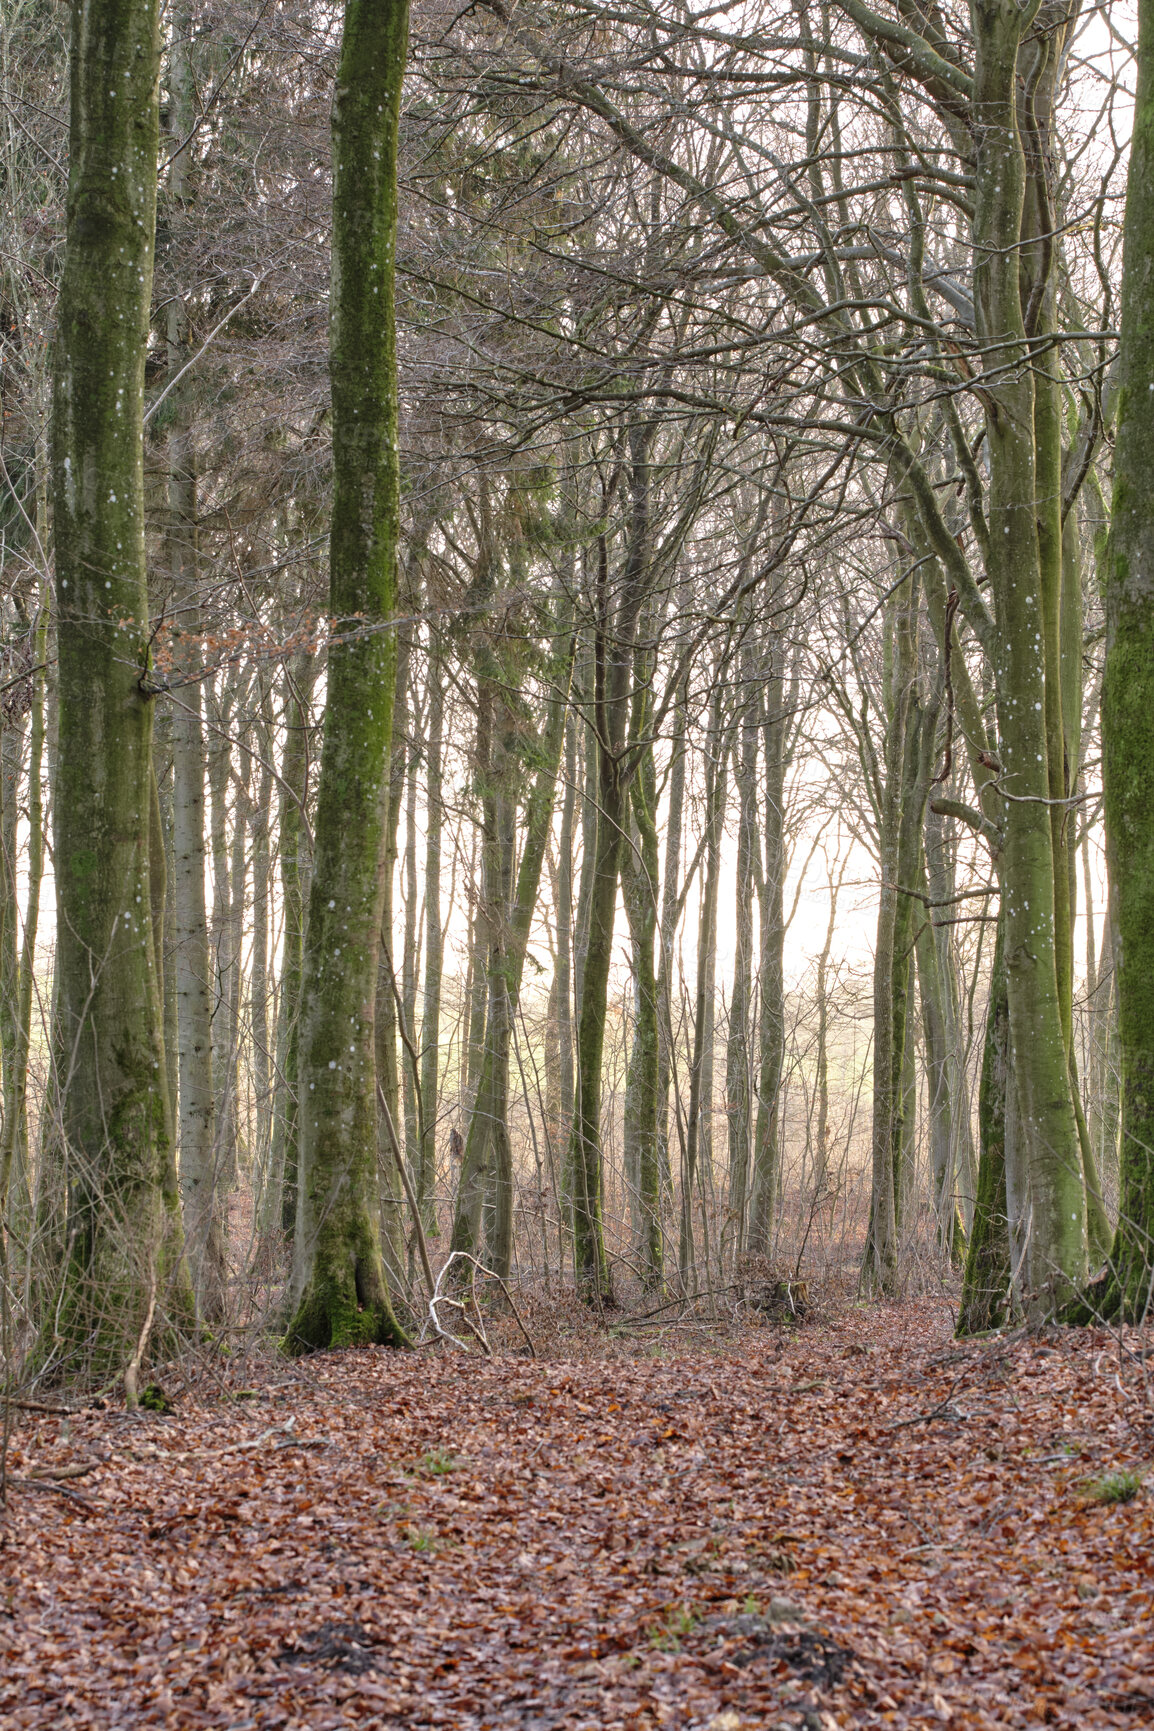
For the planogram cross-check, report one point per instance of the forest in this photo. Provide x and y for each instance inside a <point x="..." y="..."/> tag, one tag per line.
<point x="576" y="863"/>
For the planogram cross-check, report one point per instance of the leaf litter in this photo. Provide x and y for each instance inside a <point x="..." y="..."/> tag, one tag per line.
<point x="855" y="1524"/>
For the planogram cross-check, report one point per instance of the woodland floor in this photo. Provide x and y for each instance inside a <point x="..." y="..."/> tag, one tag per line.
<point x="854" y="1523"/>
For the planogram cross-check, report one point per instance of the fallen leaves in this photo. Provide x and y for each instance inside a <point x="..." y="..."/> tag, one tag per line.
<point x="822" y="1536"/>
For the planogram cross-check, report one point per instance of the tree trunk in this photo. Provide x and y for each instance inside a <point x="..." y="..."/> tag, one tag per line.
<point x="410" y="960"/>
<point x="698" y="1139"/>
<point x="126" y="1265"/>
<point x="986" y="1285"/>
<point x="1128" y="721"/>
<point x="194" y="985"/>
<point x="295" y="860"/>
<point x="339" y="1293"/>
<point x="1034" y="943"/>
<point x="392" y="1194"/>
<point x="508" y="917"/>
<point x="14" y="1153"/>
<point x="667" y="933"/>
<point x="259" y="979"/>
<point x="613" y="659"/>
<point x="771" y="1018"/>
<point x="738" y="1070"/>
<point x="639" y="882"/>
<point x="434" y="949"/>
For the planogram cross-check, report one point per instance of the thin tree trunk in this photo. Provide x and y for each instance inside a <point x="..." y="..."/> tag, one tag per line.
<point x="639" y="883"/>
<point x="434" y="948"/>
<point x="771" y="1018"/>
<point x="509" y="917"/>
<point x="14" y="1152"/>
<point x="738" y="1068"/>
<point x="670" y="914"/>
<point x="410" y="958"/>
<point x="194" y="979"/>
<point x="259" y="981"/>
<point x="295" y="859"/>
<point x="698" y="1140"/>
<point x="392" y="1196"/>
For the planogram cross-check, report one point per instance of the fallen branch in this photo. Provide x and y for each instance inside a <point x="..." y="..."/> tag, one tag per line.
<point x="40" y="1406"/>
<point x="50" y="1485"/>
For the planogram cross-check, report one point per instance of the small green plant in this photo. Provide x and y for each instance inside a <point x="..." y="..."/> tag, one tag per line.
<point x="752" y="1606"/>
<point x="437" y="1462"/>
<point x="667" y="1636"/>
<point x="154" y="1399"/>
<point x="1121" y="1486"/>
<point x="421" y="1539"/>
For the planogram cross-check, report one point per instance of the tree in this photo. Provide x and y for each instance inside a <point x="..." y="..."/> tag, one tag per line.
<point x="339" y="1293"/>
<point x="1128" y="719"/>
<point x="125" y="1251"/>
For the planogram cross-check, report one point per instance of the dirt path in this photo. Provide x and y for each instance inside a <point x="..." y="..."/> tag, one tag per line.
<point x="857" y="1525"/>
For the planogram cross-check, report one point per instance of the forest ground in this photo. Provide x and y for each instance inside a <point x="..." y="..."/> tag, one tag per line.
<point x="855" y="1522"/>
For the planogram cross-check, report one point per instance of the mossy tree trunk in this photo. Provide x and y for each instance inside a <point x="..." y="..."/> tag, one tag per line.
<point x="339" y="1291"/>
<point x="1128" y="719"/>
<point x="125" y="1249"/>
<point x="1019" y="566"/>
